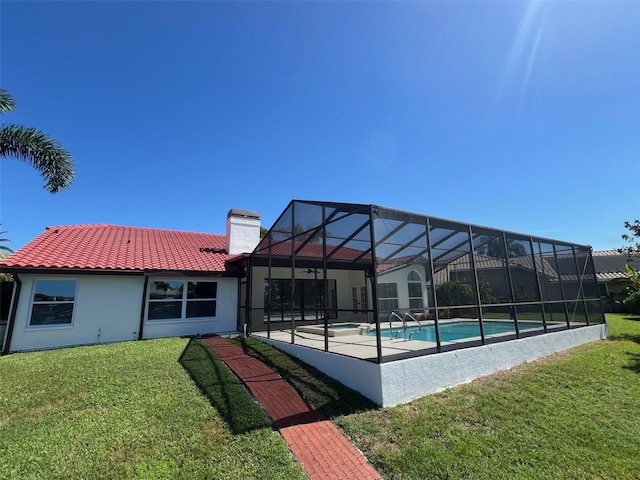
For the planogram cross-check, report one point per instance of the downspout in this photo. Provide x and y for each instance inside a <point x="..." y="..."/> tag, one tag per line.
<point x="12" y="315"/>
<point x="144" y="303"/>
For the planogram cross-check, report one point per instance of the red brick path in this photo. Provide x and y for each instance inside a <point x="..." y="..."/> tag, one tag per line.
<point x="324" y="452"/>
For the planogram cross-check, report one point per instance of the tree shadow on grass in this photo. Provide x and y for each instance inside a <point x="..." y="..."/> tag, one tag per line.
<point x="324" y="393"/>
<point x="633" y="318"/>
<point x="634" y="366"/>
<point x="226" y="393"/>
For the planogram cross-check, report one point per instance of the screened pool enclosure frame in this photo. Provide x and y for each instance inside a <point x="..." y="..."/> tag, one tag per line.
<point x="394" y="277"/>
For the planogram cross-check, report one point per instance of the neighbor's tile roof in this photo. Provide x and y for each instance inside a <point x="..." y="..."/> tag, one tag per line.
<point x="610" y="264"/>
<point x="112" y="247"/>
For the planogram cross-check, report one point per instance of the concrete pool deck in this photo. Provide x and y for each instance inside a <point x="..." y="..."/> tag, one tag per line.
<point x="357" y="343"/>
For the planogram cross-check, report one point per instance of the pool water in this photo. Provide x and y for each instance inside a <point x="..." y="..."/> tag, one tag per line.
<point x="450" y="332"/>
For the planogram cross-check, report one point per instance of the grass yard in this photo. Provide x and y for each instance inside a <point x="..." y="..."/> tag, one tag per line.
<point x="573" y="415"/>
<point x="321" y="391"/>
<point x="144" y="410"/>
<point x="131" y="410"/>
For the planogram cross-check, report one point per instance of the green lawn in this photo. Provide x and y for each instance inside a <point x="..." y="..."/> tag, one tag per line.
<point x="170" y="409"/>
<point x="131" y="410"/>
<point x="573" y="415"/>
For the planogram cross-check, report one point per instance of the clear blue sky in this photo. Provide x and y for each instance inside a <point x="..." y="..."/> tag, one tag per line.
<point x="518" y="115"/>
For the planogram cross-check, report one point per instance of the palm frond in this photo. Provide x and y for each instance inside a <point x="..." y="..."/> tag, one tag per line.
<point x="7" y="103"/>
<point x="42" y="152"/>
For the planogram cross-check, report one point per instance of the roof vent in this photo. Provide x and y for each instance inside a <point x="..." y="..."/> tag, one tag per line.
<point x="212" y="250"/>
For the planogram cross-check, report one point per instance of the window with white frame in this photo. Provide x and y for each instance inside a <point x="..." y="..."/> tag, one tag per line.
<point x="414" y="285"/>
<point x="52" y="302"/>
<point x="387" y="297"/>
<point x="178" y="299"/>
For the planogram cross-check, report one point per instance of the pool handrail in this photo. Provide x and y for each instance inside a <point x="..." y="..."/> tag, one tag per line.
<point x="391" y="315"/>
<point x="407" y="314"/>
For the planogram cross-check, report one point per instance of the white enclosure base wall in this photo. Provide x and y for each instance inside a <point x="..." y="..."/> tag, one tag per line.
<point x="401" y="381"/>
<point x="406" y="380"/>
<point x="359" y="375"/>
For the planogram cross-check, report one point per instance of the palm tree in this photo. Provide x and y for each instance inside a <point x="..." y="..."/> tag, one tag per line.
<point x="36" y="148"/>
<point x="4" y="253"/>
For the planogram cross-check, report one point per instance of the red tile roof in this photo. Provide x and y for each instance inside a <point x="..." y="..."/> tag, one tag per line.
<point x="112" y="247"/>
<point x="314" y="250"/>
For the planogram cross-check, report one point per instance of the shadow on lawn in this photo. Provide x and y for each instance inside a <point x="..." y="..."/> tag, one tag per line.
<point x="226" y="393"/>
<point x="322" y="392"/>
<point x="634" y="366"/>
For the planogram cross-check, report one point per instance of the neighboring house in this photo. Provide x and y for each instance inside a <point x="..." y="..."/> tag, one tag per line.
<point x="90" y="284"/>
<point x="612" y="276"/>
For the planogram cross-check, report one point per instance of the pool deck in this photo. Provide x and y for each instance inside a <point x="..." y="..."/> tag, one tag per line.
<point x="364" y="346"/>
<point x="358" y="346"/>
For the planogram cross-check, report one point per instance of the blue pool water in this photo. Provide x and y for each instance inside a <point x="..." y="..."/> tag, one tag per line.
<point x="450" y="332"/>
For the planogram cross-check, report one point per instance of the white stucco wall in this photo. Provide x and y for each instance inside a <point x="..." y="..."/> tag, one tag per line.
<point x="399" y="277"/>
<point x="107" y="309"/>
<point x="226" y="318"/>
<point x="345" y="279"/>
<point x="405" y="380"/>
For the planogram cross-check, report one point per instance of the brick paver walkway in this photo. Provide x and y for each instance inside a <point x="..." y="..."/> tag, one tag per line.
<point x="322" y="449"/>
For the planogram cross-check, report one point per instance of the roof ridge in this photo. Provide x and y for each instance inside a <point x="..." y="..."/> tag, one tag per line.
<point x="611" y="252"/>
<point x="111" y="225"/>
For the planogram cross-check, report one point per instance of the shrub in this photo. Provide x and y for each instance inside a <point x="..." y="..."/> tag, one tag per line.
<point x="632" y="302"/>
<point x="454" y="293"/>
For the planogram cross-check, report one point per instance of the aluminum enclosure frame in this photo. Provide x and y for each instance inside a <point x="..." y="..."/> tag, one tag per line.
<point x="453" y="271"/>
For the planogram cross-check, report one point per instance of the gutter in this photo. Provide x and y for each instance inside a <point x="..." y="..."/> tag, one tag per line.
<point x="12" y="315"/>
<point x="144" y="303"/>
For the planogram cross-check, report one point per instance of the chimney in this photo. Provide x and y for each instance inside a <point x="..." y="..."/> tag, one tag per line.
<point x="243" y="231"/>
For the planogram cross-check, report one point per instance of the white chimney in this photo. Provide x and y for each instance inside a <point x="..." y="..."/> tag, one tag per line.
<point x="243" y="231"/>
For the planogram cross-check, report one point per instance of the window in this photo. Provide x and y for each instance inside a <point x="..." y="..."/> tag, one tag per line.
<point x="414" y="285"/>
<point x="52" y="302"/>
<point x="604" y="290"/>
<point x="387" y="297"/>
<point x="170" y="300"/>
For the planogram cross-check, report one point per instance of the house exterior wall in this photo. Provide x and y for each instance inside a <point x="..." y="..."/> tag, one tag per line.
<point x="345" y="280"/>
<point x="400" y="278"/>
<point x="106" y="309"/>
<point x="225" y="320"/>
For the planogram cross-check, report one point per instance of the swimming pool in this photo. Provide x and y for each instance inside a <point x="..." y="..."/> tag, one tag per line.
<point x="452" y="331"/>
